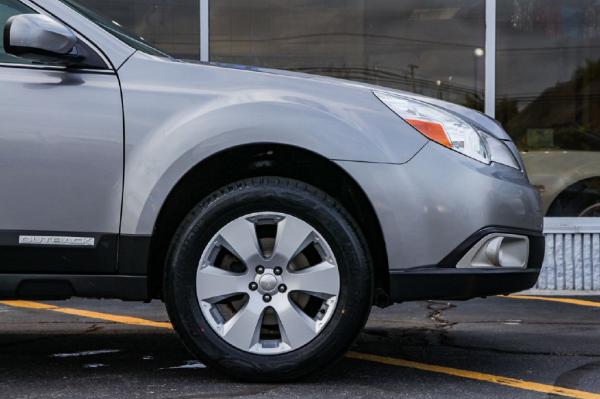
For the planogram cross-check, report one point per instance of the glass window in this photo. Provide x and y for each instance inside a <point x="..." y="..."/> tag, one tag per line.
<point x="432" y="47"/>
<point x="114" y="28"/>
<point x="170" y="25"/>
<point x="548" y="97"/>
<point x="8" y="8"/>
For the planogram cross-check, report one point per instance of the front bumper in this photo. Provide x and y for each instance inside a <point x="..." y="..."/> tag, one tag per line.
<point x="427" y="207"/>
<point x="434" y="208"/>
<point x="445" y="281"/>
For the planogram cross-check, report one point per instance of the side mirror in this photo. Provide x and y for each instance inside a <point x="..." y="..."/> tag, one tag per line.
<point x="39" y="37"/>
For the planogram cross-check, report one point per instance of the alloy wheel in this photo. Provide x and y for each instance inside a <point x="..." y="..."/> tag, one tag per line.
<point x="267" y="283"/>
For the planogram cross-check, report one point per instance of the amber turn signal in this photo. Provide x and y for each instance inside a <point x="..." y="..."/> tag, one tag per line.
<point x="434" y="130"/>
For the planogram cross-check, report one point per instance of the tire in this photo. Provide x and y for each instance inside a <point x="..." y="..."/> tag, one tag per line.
<point x="281" y="347"/>
<point x="579" y="200"/>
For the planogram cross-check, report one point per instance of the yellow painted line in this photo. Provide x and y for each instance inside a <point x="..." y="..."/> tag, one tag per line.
<point x="572" y="301"/>
<point x="89" y="314"/>
<point x="474" y="375"/>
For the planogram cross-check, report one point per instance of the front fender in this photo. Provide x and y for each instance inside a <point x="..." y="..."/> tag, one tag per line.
<point x="172" y="125"/>
<point x="155" y="166"/>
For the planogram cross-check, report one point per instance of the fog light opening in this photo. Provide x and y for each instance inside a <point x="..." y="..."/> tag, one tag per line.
<point x="497" y="250"/>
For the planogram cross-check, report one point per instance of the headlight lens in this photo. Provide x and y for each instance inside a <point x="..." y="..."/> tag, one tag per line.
<point x="500" y="153"/>
<point x="440" y="126"/>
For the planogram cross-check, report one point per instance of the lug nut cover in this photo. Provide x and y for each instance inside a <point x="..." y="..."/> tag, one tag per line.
<point x="267" y="298"/>
<point x="253" y="286"/>
<point x="260" y="269"/>
<point x="277" y="271"/>
<point x="282" y="288"/>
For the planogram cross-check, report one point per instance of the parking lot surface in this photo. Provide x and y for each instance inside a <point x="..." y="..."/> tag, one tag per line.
<point x="483" y="348"/>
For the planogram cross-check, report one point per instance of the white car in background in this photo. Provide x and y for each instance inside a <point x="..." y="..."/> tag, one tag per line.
<point x="569" y="181"/>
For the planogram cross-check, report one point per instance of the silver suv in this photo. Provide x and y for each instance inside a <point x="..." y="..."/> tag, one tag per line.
<point x="269" y="210"/>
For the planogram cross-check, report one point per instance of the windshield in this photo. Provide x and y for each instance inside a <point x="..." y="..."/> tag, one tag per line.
<point x="114" y="28"/>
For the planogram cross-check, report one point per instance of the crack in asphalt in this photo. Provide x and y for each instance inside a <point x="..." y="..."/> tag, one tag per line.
<point x="93" y="328"/>
<point x="517" y="352"/>
<point x="437" y="309"/>
<point x="421" y="336"/>
<point x="529" y="323"/>
<point x="502" y="321"/>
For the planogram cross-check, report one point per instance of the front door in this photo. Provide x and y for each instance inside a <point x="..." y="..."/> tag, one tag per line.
<point x="61" y="165"/>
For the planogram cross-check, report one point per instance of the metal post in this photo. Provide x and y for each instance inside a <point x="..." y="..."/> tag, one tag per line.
<point x="490" y="58"/>
<point x="204" y="31"/>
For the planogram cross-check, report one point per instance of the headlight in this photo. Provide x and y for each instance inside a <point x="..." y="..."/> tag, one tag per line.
<point x="440" y="126"/>
<point x="500" y="153"/>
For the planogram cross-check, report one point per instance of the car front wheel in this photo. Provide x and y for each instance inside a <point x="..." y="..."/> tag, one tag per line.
<point x="268" y="279"/>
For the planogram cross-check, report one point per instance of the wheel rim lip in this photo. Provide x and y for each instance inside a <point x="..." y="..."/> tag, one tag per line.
<point x="282" y="347"/>
<point x="590" y="210"/>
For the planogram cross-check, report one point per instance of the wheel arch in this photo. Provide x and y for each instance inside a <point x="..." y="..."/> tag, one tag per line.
<point x="262" y="159"/>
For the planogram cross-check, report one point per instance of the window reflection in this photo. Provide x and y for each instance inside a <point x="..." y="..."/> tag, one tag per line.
<point x="432" y="47"/>
<point x="8" y="8"/>
<point x="548" y="97"/>
<point x="170" y="25"/>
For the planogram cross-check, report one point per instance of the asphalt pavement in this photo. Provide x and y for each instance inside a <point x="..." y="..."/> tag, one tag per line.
<point x="482" y="348"/>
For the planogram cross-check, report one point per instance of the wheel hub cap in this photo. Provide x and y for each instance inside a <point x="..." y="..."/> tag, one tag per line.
<point x="267" y="283"/>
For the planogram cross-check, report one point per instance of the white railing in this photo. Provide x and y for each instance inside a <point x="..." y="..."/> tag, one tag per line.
<point x="572" y="261"/>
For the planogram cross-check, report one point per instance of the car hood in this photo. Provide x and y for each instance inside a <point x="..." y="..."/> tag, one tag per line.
<point x="472" y="116"/>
